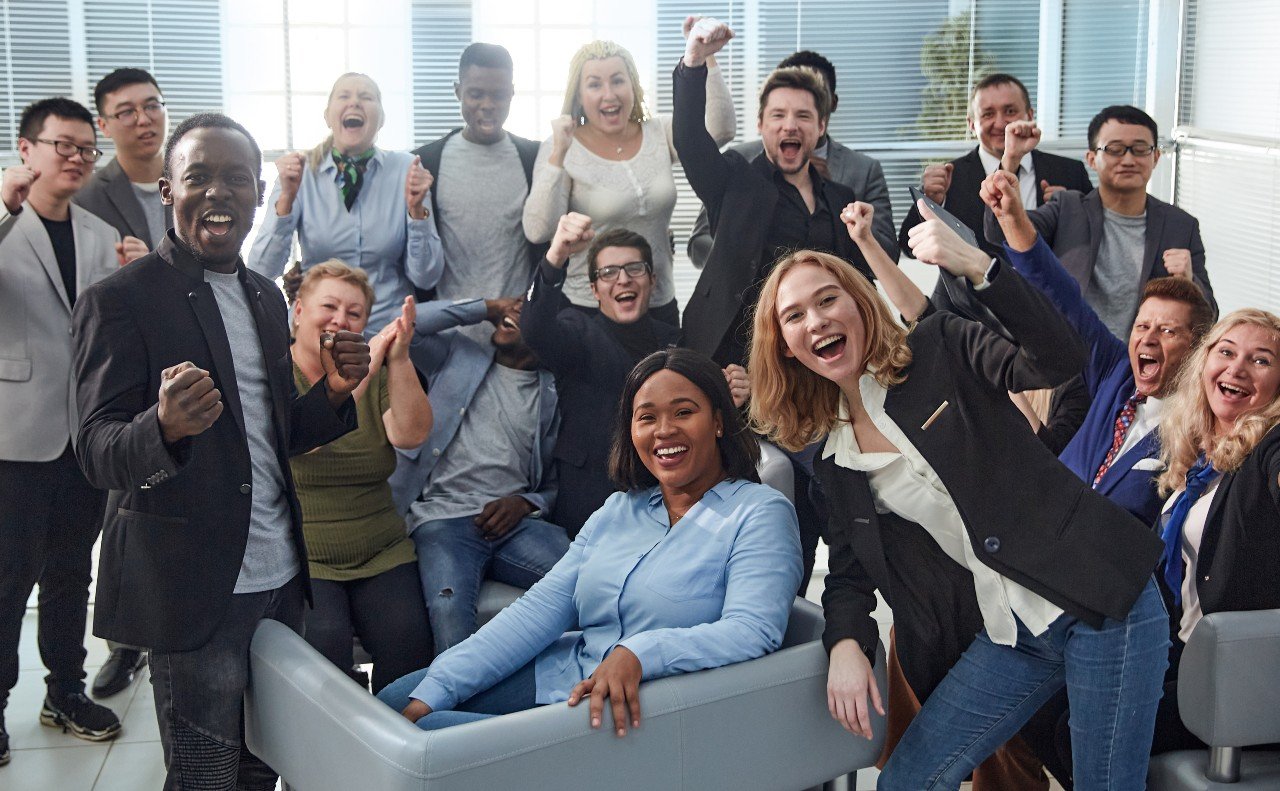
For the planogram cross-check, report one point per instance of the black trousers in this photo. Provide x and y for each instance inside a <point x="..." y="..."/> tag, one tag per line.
<point x="387" y="612"/>
<point x="50" y="518"/>
<point x="200" y="698"/>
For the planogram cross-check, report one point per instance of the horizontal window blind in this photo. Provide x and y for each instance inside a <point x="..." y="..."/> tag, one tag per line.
<point x="1104" y="59"/>
<point x="36" y="51"/>
<point x="1228" y="147"/>
<point x="441" y="31"/>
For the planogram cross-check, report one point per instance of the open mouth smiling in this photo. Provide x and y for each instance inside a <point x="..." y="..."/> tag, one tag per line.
<point x="1148" y="366"/>
<point x="670" y="455"/>
<point x="830" y="347"/>
<point x="353" y="122"/>
<point x="217" y="223"/>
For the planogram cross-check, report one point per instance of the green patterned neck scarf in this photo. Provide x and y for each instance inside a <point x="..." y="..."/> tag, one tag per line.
<point x="352" y="170"/>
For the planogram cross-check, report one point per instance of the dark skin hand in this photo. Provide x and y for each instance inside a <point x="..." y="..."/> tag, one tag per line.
<point x="188" y="402"/>
<point x="498" y="517"/>
<point x="345" y="358"/>
<point x="495" y="309"/>
<point x="617" y="678"/>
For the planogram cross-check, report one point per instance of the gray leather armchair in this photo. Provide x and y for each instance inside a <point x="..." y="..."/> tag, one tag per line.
<point x="757" y="725"/>
<point x="1229" y="696"/>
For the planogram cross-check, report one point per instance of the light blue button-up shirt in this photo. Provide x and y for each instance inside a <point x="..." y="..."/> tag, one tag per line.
<point x="714" y="590"/>
<point x="377" y="235"/>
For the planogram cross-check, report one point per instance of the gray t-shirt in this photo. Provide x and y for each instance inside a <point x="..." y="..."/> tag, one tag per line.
<point x="270" y="559"/>
<point x="149" y="196"/>
<point x="481" y="202"/>
<point x="1114" y="290"/>
<point x="491" y="454"/>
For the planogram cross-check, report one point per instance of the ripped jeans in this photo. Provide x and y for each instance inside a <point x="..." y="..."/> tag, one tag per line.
<point x="454" y="557"/>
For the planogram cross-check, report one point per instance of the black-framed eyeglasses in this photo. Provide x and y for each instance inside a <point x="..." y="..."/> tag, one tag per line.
<point x="1118" y="150"/>
<point x="65" y="148"/>
<point x="129" y="116"/>
<point x="633" y="268"/>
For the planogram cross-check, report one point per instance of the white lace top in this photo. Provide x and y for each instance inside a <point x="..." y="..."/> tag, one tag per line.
<point x="638" y="194"/>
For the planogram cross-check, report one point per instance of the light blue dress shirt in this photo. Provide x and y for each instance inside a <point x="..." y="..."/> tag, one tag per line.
<point x="377" y="235"/>
<point x="715" y="590"/>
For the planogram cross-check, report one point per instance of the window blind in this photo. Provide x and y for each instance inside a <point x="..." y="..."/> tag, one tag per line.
<point x="441" y="31"/>
<point x="37" y="61"/>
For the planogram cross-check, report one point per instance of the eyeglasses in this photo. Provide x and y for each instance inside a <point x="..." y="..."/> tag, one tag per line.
<point x="66" y="148"/>
<point x="154" y="109"/>
<point x="1118" y="150"/>
<point x="633" y="268"/>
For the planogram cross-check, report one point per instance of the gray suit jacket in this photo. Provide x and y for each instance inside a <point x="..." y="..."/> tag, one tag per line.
<point x="1072" y="223"/>
<point x="36" y="386"/>
<point x="110" y="195"/>
<point x="858" y="172"/>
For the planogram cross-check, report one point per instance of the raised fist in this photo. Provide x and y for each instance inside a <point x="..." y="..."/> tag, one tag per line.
<point x="704" y="37"/>
<point x="573" y="235"/>
<point x="1020" y="139"/>
<point x="562" y="129"/>
<point x="188" y="402"/>
<point x="344" y="355"/>
<point x="857" y="219"/>
<point x="129" y="249"/>
<point x="1000" y="191"/>
<point x="16" y="186"/>
<point x="1177" y="262"/>
<point x="936" y="181"/>
<point x="289" y="166"/>
<point x="416" y="184"/>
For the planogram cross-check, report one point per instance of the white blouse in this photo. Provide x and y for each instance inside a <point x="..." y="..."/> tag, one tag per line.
<point x="905" y="484"/>
<point x="638" y="193"/>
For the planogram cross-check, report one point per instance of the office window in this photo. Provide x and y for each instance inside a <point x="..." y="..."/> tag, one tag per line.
<point x="36" y="52"/>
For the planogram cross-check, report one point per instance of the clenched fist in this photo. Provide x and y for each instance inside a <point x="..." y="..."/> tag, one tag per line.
<point x="289" y="167"/>
<point x="857" y="219"/>
<point x="16" y="186"/>
<point x="1177" y="262"/>
<point x="344" y="355"/>
<point x="1020" y="139"/>
<point x="416" y="184"/>
<point x="562" y="129"/>
<point x="188" y="402"/>
<point x="573" y="235"/>
<point x="936" y="181"/>
<point x="130" y="249"/>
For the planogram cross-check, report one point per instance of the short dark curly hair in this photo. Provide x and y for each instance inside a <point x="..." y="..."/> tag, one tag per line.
<point x="739" y="449"/>
<point x="208" y="121"/>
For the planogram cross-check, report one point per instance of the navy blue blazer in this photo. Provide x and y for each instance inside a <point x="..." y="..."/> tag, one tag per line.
<point x="1130" y="481"/>
<point x="590" y="366"/>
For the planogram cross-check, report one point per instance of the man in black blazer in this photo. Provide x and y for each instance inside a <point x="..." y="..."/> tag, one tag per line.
<point x="757" y="210"/>
<point x="189" y="415"/>
<point x="1001" y="117"/>
<point x="126" y="194"/>
<point x="482" y="177"/>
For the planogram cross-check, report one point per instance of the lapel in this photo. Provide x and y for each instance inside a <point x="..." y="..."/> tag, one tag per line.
<point x="1148" y="447"/>
<point x="1093" y="212"/>
<point x="205" y="306"/>
<point x="851" y="493"/>
<point x="839" y="165"/>
<point x="31" y="227"/>
<point x="119" y="191"/>
<point x="1155" y="233"/>
<point x="1038" y="164"/>
<point x="88" y="266"/>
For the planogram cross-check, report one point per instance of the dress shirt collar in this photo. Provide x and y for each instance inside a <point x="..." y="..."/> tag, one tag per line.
<point x="722" y="491"/>
<point x="178" y="255"/>
<point x="327" y="165"/>
<point x="991" y="162"/>
<point x="841" y="442"/>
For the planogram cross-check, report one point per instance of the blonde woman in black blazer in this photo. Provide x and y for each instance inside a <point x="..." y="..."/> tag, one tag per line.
<point x="936" y="477"/>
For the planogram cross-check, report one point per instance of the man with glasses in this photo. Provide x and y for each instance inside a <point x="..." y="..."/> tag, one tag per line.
<point x="50" y="251"/>
<point x="126" y="193"/>
<point x="1116" y="238"/>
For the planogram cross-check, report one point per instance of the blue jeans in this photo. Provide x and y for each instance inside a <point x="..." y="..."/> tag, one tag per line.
<point x="454" y="557"/>
<point x="514" y="693"/>
<point x="1114" y="677"/>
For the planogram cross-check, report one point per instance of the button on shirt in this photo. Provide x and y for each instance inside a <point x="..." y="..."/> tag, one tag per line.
<point x="713" y="590"/>
<point x="903" y="483"/>
<point x="1027" y="185"/>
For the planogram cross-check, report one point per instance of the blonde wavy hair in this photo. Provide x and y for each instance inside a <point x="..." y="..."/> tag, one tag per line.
<point x="1187" y="428"/>
<point x="600" y="50"/>
<point x="791" y="405"/>
<point x="317" y="155"/>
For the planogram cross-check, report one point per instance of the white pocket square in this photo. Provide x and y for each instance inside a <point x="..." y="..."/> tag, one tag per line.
<point x="1149" y="464"/>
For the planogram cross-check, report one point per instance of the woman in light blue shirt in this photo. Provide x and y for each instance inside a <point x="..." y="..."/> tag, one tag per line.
<point x="350" y="200"/>
<point x="693" y="566"/>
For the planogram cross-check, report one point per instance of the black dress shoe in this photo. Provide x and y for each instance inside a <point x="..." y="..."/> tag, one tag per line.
<point x="117" y="674"/>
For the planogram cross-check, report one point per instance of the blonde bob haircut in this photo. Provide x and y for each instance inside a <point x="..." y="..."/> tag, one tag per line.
<point x="600" y="50"/>
<point x="317" y="155"/>
<point x="338" y="270"/>
<point x="791" y="405"/>
<point x="1187" y="428"/>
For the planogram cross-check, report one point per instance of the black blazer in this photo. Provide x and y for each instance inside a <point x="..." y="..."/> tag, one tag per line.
<point x="590" y="366"/>
<point x="109" y="195"/>
<point x="740" y="203"/>
<point x="178" y="517"/>
<point x="1240" y="549"/>
<point x="1028" y="516"/>
<point x="966" y="179"/>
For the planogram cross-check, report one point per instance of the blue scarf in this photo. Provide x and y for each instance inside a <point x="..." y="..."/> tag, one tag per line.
<point x="1198" y="479"/>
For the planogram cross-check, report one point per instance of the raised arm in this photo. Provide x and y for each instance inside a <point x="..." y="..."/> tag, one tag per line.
<point x="706" y="168"/>
<point x="549" y="193"/>
<point x="423" y="252"/>
<point x="273" y="245"/>
<point x="859" y="220"/>
<point x="554" y="331"/>
<point x="406" y="412"/>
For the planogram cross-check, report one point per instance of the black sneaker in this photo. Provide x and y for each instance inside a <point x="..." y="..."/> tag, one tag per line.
<point x="4" y="745"/>
<point x="81" y="716"/>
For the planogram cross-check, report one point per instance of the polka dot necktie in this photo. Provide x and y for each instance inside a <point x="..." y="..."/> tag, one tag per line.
<point x="1121" y="428"/>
